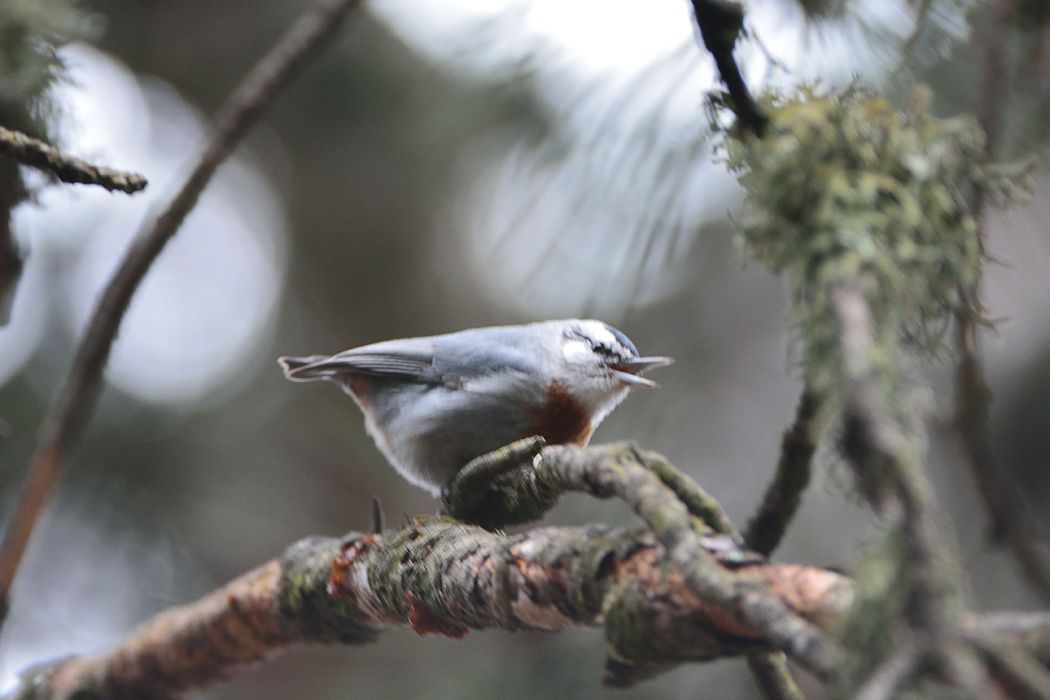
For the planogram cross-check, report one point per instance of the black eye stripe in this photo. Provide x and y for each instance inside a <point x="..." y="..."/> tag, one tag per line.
<point x="620" y="348"/>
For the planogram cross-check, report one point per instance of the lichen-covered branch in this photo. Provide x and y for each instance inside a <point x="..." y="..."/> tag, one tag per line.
<point x="498" y="488"/>
<point x="442" y="577"/>
<point x="35" y="153"/>
<point x="794" y="468"/>
<point x="933" y="605"/>
<point x="865" y="207"/>
<point x="72" y="407"/>
<point x="773" y="677"/>
<point x="32" y="32"/>
<point x="624" y="472"/>
<point x="884" y="450"/>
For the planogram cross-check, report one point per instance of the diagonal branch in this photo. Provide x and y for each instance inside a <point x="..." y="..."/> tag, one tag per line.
<point x="973" y="398"/>
<point x="439" y="576"/>
<point x="720" y="23"/>
<point x="73" y="406"/>
<point x="33" y="152"/>
<point x="794" y="469"/>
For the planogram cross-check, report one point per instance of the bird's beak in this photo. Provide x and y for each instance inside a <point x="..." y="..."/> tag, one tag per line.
<point x="629" y="371"/>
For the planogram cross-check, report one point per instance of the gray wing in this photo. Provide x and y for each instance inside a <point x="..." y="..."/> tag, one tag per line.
<point x="449" y="360"/>
<point x="411" y="359"/>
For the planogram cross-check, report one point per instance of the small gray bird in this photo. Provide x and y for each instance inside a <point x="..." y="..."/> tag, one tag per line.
<point x="432" y="404"/>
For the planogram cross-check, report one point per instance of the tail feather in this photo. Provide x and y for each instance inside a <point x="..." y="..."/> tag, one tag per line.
<point x="305" y="369"/>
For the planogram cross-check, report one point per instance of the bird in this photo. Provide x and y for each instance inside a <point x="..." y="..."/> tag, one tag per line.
<point x="434" y="403"/>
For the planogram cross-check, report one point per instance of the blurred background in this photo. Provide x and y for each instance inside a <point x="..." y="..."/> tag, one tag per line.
<point x="449" y="164"/>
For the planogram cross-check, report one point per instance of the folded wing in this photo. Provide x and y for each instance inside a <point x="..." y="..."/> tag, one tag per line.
<point x="407" y="360"/>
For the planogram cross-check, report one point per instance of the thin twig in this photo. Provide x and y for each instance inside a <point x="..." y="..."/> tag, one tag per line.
<point x="72" y="408"/>
<point x="783" y="495"/>
<point x="720" y="23"/>
<point x="34" y="152"/>
<point x="698" y="501"/>
<point x="1015" y="668"/>
<point x="973" y="398"/>
<point x="773" y="677"/>
<point x="921" y="13"/>
<point x="895" y="671"/>
<point x="1028" y="629"/>
<point x="11" y="267"/>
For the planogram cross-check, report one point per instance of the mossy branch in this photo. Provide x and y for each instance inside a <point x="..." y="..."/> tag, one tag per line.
<point x="529" y="495"/>
<point x="439" y="576"/>
<point x="680" y="515"/>
<point x="865" y="207"/>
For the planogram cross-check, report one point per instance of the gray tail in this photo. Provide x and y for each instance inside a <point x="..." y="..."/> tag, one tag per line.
<point x="305" y="369"/>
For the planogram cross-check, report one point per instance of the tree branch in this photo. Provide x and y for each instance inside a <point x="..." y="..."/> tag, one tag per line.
<point x="886" y="680"/>
<point x="672" y="504"/>
<point x="72" y="407"/>
<point x="720" y="23"/>
<point x="1030" y="630"/>
<point x="794" y="469"/>
<point x="35" y="153"/>
<point x="877" y="443"/>
<point x="439" y="576"/>
<point x="934" y="608"/>
<point x="773" y="677"/>
<point x="973" y="398"/>
<point x="624" y="472"/>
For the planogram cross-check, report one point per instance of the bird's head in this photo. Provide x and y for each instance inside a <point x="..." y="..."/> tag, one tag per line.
<point x="599" y="364"/>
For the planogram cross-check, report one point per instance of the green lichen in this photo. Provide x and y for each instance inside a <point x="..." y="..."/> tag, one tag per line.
<point x="305" y="603"/>
<point x="882" y="594"/>
<point x="406" y="569"/>
<point x="852" y="187"/>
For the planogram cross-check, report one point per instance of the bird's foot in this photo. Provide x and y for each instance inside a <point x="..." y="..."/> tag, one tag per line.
<point x="476" y="494"/>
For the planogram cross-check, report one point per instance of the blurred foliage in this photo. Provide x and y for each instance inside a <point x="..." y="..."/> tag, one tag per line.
<point x="849" y="187"/>
<point x="880" y="597"/>
<point x="1024" y="81"/>
<point x="30" y="31"/>
<point x="1023" y="438"/>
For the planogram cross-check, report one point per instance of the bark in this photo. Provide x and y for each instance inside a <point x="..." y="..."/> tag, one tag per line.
<point x="441" y="577"/>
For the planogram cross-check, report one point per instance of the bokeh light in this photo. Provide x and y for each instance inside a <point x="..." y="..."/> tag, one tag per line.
<point x="210" y="298"/>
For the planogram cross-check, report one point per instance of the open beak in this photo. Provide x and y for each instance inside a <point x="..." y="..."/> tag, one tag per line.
<point x="629" y="371"/>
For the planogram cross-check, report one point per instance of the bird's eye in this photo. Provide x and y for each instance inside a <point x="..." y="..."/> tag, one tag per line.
<point x="603" y="349"/>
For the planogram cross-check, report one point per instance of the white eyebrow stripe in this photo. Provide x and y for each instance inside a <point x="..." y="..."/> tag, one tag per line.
<point x="600" y="333"/>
